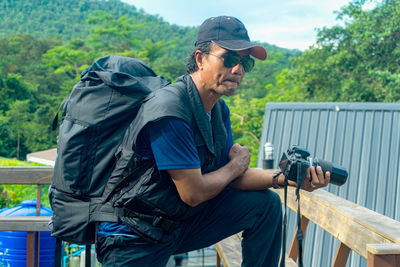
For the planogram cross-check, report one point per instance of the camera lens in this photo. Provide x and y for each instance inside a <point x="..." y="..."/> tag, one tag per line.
<point x="338" y="173"/>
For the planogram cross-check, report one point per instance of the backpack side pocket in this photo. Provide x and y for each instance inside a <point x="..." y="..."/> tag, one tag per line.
<point x="75" y="155"/>
<point x="70" y="219"/>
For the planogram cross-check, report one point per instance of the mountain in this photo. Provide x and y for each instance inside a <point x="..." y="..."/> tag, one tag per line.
<point x="66" y="19"/>
<point x="46" y="44"/>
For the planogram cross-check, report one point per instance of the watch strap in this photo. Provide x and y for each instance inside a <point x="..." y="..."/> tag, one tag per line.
<point x="275" y="177"/>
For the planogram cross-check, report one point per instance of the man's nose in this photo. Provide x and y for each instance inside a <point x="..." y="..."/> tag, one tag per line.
<point x="238" y="69"/>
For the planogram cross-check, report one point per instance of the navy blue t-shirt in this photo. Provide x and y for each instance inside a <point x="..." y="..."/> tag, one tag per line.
<point x="170" y="142"/>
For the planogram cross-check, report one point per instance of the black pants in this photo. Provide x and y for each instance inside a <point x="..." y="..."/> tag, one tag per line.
<point x="257" y="213"/>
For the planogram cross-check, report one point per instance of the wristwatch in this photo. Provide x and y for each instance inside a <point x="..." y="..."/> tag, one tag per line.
<point x="275" y="177"/>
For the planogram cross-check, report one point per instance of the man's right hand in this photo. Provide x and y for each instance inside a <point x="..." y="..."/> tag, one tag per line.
<point x="239" y="156"/>
<point x="195" y="188"/>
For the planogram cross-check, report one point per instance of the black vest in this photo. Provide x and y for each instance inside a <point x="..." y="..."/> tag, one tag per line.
<point x="137" y="185"/>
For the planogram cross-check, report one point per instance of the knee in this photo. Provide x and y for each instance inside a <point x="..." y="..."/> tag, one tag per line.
<point x="267" y="201"/>
<point x="276" y="203"/>
<point x="268" y="209"/>
<point x="273" y="202"/>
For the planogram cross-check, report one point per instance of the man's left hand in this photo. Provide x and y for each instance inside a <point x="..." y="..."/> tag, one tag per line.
<point x="315" y="179"/>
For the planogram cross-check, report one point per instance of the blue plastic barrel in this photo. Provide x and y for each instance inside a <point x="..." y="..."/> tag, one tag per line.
<point x="13" y="244"/>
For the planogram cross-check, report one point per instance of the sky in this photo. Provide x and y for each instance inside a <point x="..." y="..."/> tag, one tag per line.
<point x="285" y="23"/>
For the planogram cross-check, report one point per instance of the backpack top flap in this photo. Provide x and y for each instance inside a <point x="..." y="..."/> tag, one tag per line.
<point x="96" y="114"/>
<point x="131" y="66"/>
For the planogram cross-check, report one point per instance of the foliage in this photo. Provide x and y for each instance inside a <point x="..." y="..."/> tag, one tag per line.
<point x="6" y="162"/>
<point x="26" y="88"/>
<point x="355" y="62"/>
<point x="68" y="20"/>
<point x="265" y="72"/>
<point x="246" y="123"/>
<point x="70" y="59"/>
<point x="37" y="74"/>
<point x="113" y="35"/>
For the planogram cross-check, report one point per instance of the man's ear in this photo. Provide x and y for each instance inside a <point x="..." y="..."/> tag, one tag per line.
<point x="199" y="56"/>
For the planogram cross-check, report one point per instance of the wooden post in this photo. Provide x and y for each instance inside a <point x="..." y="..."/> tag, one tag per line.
<point x="38" y="199"/>
<point x="218" y="261"/>
<point x="294" y="248"/>
<point x="342" y="254"/>
<point x="383" y="255"/>
<point x="30" y="249"/>
<point x="37" y="234"/>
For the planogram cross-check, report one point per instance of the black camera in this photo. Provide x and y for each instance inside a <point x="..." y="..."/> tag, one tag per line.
<point x="295" y="162"/>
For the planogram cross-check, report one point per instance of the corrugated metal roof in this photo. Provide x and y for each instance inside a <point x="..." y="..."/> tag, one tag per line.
<point x="363" y="137"/>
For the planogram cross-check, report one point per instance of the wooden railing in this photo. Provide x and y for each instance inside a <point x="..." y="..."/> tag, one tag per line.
<point x="31" y="224"/>
<point x="371" y="235"/>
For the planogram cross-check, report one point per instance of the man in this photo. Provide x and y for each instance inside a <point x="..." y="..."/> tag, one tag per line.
<point x="192" y="185"/>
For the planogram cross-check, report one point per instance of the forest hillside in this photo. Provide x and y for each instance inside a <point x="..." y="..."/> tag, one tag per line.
<point x="46" y="44"/>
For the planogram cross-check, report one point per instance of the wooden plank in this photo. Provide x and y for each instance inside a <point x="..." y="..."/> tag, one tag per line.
<point x="344" y="219"/>
<point x="342" y="254"/>
<point x="294" y="247"/>
<point x="289" y="262"/>
<point x="25" y="223"/>
<point x="383" y="260"/>
<point x="26" y="175"/>
<point x="383" y="255"/>
<point x="230" y="251"/>
<point x="383" y="249"/>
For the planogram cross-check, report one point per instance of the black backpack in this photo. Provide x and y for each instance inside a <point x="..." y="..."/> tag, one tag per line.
<point x="95" y="117"/>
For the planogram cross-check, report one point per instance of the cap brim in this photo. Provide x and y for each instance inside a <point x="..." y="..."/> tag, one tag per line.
<point x="257" y="51"/>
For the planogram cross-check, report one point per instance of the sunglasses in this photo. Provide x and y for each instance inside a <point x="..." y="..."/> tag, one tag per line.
<point x="231" y="59"/>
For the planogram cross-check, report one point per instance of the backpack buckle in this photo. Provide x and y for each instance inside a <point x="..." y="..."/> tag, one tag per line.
<point x="168" y="226"/>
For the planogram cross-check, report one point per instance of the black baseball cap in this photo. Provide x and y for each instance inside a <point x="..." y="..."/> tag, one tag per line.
<point x="228" y="33"/>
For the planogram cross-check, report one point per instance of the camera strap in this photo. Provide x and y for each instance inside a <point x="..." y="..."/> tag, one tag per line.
<point x="283" y="255"/>
<point x="299" y="234"/>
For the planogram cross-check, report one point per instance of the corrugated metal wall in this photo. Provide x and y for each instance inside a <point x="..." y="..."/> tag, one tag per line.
<point x="363" y="137"/>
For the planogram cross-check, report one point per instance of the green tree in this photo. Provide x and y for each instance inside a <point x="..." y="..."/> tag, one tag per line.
<point x="14" y="88"/>
<point x="170" y="68"/>
<point x="7" y="142"/>
<point x="70" y="59"/>
<point x="111" y="34"/>
<point x="246" y="121"/>
<point x="40" y="134"/>
<point x="264" y="73"/>
<point x="355" y="62"/>
<point x="150" y="51"/>
<point x="18" y="115"/>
